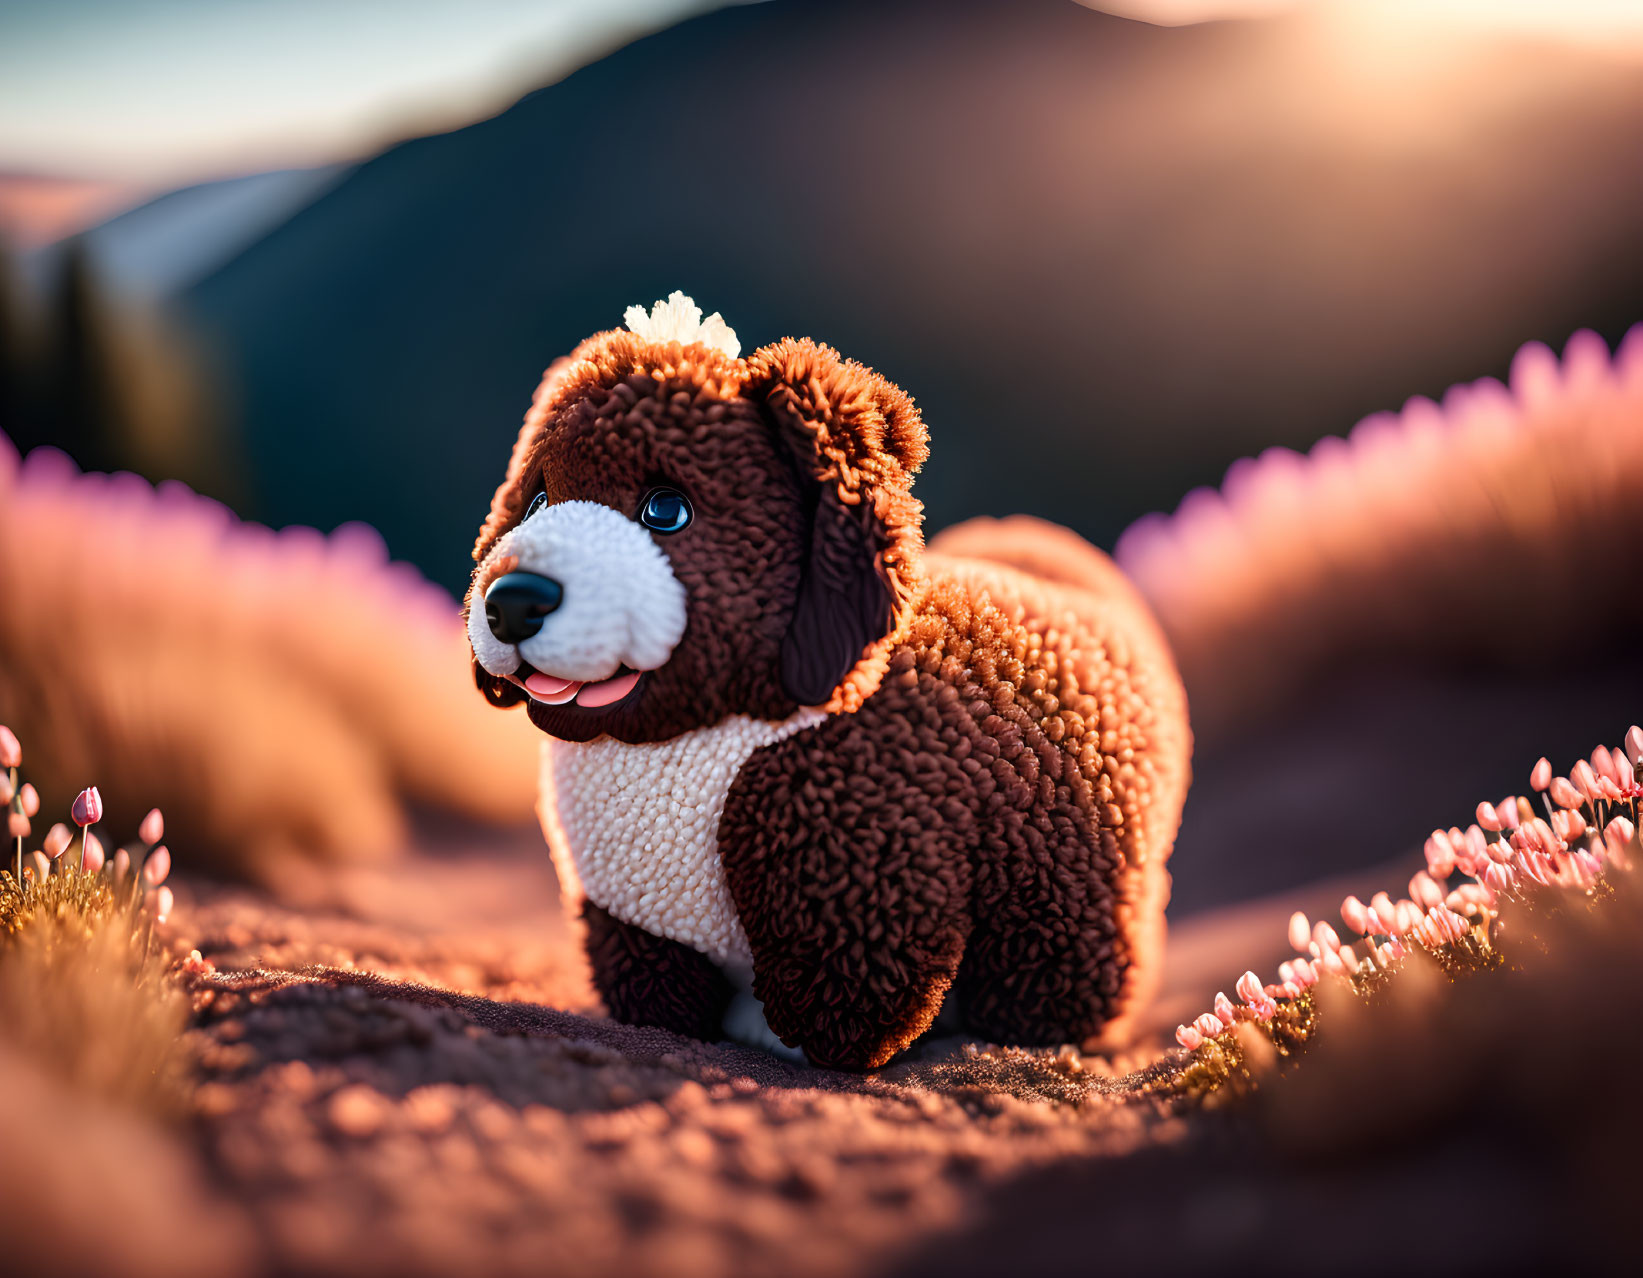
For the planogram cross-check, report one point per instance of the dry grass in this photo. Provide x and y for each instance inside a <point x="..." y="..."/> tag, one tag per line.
<point x="83" y="991"/>
<point x="1490" y="528"/>
<point x="281" y="696"/>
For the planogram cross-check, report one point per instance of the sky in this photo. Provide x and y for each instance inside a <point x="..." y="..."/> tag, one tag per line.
<point x="156" y="93"/>
<point x="165" y="91"/>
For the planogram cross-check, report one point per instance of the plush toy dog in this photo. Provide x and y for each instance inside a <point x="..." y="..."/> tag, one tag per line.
<point x="794" y="752"/>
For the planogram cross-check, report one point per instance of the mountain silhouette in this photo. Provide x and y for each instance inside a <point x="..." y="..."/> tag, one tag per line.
<point x="1106" y="258"/>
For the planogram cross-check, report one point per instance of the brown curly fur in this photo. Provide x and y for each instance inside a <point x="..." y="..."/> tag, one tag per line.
<point x="990" y="803"/>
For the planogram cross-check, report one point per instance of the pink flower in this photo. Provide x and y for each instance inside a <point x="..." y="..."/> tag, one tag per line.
<point x="1224" y="1009"/>
<point x="88" y="807"/>
<point x="1209" y="1025"/>
<point x="1603" y="764"/>
<point x="161" y="902"/>
<point x="1469" y="896"/>
<point x="1541" y="776"/>
<point x="1506" y="810"/>
<point x="1617" y="835"/>
<point x="1424" y="888"/>
<point x="1249" y="988"/>
<point x="1568" y="824"/>
<point x="1306" y="973"/>
<point x="1487" y="817"/>
<point x="1440" y="855"/>
<point x="1564" y="794"/>
<point x="121" y="864"/>
<point x="7" y="790"/>
<point x="11" y="752"/>
<point x="91" y="859"/>
<point x="1300" y="931"/>
<point x="1349" y="959"/>
<point x="1386" y="914"/>
<point x="1587" y="863"/>
<point x="1188" y="1037"/>
<point x="1266" y="1009"/>
<point x="1634" y="744"/>
<point x="1406" y="915"/>
<point x="1583" y="776"/>
<point x="1355" y="914"/>
<point x="39" y="865"/>
<point x="17" y="825"/>
<point x="57" y="840"/>
<point x="152" y="830"/>
<point x="1323" y="936"/>
<point x="157" y="866"/>
<point x="30" y="799"/>
<point x="1499" y="878"/>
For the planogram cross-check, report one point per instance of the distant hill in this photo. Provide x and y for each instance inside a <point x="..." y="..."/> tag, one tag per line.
<point x="1107" y="258"/>
<point x="164" y="245"/>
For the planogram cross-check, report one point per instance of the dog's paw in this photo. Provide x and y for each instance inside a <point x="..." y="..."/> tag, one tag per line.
<point x="744" y="1023"/>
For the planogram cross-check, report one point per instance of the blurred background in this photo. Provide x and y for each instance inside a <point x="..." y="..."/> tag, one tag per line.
<point x="310" y="259"/>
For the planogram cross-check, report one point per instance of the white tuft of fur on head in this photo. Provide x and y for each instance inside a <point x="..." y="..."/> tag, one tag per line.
<point x="622" y="605"/>
<point x="680" y="320"/>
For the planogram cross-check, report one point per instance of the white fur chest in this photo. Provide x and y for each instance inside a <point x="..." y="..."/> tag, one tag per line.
<point x="635" y="828"/>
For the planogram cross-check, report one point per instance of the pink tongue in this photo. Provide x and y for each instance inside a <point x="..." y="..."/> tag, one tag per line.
<point x="553" y="691"/>
<point x="607" y="693"/>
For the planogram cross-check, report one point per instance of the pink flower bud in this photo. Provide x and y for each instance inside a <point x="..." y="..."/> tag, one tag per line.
<point x="157" y="866"/>
<point x="41" y="867"/>
<point x="1386" y="915"/>
<point x="121" y="865"/>
<point x="91" y="859"/>
<point x="1617" y="835"/>
<point x="1188" y="1037"/>
<point x="1583" y="777"/>
<point x="1541" y="776"/>
<point x="1424" y="888"/>
<point x="1324" y="937"/>
<point x="1487" y="817"/>
<point x="11" y="753"/>
<point x="57" y="840"/>
<point x="1300" y="931"/>
<point x="1406" y="915"/>
<point x="30" y="798"/>
<point x="1332" y="963"/>
<point x="88" y="807"/>
<point x="1249" y="988"/>
<point x="1506" y="810"/>
<point x="1265" y="1009"/>
<point x="1476" y="844"/>
<point x="17" y="825"/>
<point x="1349" y="959"/>
<point x="1306" y="973"/>
<point x="1623" y="767"/>
<point x="1469" y="897"/>
<point x="7" y="790"/>
<point x="1224" y="1009"/>
<point x="1440" y="855"/>
<point x="1603" y="764"/>
<point x="1588" y="864"/>
<point x="1564" y="794"/>
<point x="1499" y="878"/>
<point x="1395" y="947"/>
<point x="161" y="901"/>
<point x="1634" y="744"/>
<point x="152" y="830"/>
<point x="1208" y="1025"/>
<point x="1568" y="824"/>
<point x="1355" y="914"/>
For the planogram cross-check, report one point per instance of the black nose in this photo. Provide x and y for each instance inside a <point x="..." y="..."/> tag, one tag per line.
<point x="516" y="604"/>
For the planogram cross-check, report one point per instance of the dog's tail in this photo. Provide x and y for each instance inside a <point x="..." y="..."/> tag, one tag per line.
<point x="1502" y="527"/>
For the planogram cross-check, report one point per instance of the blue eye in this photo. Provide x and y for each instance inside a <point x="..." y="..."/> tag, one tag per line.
<point x="666" y="510"/>
<point x="537" y="503"/>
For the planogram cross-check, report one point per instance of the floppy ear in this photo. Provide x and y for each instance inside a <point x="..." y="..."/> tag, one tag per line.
<point x="855" y="441"/>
